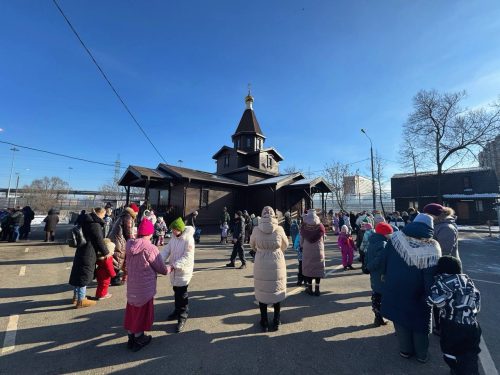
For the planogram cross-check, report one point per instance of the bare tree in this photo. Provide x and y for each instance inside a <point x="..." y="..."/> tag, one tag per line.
<point x="444" y="130"/>
<point x="378" y="171"/>
<point x="291" y="169"/>
<point x="335" y="174"/>
<point x="110" y="191"/>
<point x="412" y="158"/>
<point x="43" y="194"/>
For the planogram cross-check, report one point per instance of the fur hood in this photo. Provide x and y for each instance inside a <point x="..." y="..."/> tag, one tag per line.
<point x="130" y="211"/>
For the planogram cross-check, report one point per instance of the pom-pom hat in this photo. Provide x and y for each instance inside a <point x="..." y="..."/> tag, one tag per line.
<point x="383" y="229"/>
<point x="145" y="228"/>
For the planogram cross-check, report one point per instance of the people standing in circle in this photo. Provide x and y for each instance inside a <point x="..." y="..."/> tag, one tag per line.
<point x="375" y="259"/>
<point x="269" y="242"/>
<point x="346" y="245"/>
<point x="144" y="262"/>
<point x="238" y="237"/>
<point x="121" y="232"/>
<point x="179" y="253"/>
<point x="410" y="265"/>
<point x="51" y="221"/>
<point x="312" y="234"/>
<point x="82" y="271"/>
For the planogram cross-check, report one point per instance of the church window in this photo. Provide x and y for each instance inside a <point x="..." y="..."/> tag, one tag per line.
<point x="204" y="197"/>
<point x="249" y="142"/>
<point x="238" y="143"/>
<point x="269" y="161"/>
<point x="226" y="161"/>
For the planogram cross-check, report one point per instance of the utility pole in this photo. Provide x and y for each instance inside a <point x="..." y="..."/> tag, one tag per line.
<point x="373" y="174"/>
<point x="17" y="186"/>
<point x="14" y="150"/>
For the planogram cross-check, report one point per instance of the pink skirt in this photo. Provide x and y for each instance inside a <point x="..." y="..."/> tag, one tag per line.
<point x="139" y="319"/>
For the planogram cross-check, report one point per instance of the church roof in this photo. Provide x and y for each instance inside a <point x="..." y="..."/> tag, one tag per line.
<point x="193" y="174"/>
<point x="249" y="124"/>
<point x="227" y="148"/>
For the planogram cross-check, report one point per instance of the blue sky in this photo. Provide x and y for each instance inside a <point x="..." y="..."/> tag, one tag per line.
<point x="320" y="71"/>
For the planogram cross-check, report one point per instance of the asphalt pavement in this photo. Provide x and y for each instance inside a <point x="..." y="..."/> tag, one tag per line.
<point x="43" y="333"/>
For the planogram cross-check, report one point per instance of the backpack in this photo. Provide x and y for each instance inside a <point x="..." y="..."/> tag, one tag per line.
<point x="76" y="237"/>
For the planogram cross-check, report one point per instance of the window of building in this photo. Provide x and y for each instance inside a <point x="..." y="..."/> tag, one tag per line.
<point x="467" y="182"/>
<point x="249" y="142"/>
<point x="204" y="198"/>
<point x="269" y="161"/>
<point x="414" y="204"/>
<point x="226" y="161"/>
<point x="479" y="206"/>
<point x="238" y="143"/>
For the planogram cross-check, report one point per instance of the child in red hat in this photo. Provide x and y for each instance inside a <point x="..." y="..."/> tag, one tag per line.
<point x="143" y="263"/>
<point x="375" y="264"/>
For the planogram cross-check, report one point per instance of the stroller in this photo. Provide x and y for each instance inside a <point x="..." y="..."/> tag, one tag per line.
<point x="197" y="235"/>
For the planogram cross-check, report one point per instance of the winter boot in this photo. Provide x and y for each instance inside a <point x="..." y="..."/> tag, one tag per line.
<point x="230" y="264"/>
<point x="181" y="324"/>
<point x="309" y="289"/>
<point x="276" y="321"/>
<point x="130" y="342"/>
<point x="140" y="342"/>
<point x="316" y="290"/>
<point x="379" y="321"/>
<point x="81" y="303"/>
<point x="264" y="324"/>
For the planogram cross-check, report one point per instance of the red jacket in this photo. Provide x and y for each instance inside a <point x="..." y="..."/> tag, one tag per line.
<point x="105" y="268"/>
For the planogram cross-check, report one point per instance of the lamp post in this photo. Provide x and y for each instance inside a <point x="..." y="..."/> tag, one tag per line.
<point x="373" y="176"/>
<point x="17" y="186"/>
<point x="14" y="150"/>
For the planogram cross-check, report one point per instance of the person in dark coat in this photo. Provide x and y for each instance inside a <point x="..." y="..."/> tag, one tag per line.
<point x="238" y="238"/>
<point x="29" y="215"/>
<point x="287" y="223"/>
<point x="81" y="218"/>
<point x="50" y="225"/>
<point x="410" y="265"/>
<point x="16" y="222"/>
<point x="85" y="259"/>
<point x="375" y="257"/>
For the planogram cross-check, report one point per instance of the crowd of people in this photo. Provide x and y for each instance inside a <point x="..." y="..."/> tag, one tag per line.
<point x="15" y="224"/>
<point x="412" y="261"/>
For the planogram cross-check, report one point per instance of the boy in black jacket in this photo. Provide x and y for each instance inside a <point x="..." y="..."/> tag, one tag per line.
<point x="458" y="301"/>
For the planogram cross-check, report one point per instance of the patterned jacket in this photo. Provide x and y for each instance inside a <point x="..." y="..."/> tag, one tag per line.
<point x="456" y="297"/>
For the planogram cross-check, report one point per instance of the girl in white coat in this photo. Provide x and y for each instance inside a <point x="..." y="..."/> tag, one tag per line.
<point x="180" y="255"/>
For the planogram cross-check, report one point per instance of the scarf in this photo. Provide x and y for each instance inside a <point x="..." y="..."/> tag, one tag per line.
<point x="421" y="253"/>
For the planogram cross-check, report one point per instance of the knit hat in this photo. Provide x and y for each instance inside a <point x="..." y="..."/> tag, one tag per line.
<point x="433" y="209"/>
<point x="449" y="264"/>
<point x="378" y="219"/>
<point x="134" y="207"/>
<point x="268" y="212"/>
<point x="366" y="226"/>
<point x="424" y="219"/>
<point x="383" y="229"/>
<point x="311" y="217"/>
<point x="178" y="224"/>
<point x="146" y="228"/>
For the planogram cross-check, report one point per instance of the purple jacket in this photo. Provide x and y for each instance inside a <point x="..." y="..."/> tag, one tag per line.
<point x="143" y="263"/>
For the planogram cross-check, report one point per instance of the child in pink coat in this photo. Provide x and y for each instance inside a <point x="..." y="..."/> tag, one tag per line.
<point x="347" y="247"/>
<point x="143" y="263"/>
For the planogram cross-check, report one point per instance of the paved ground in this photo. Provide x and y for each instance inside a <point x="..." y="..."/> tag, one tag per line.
<point x="332" y="333"/>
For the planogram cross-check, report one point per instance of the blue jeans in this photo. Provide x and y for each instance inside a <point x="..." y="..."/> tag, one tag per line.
<point x="79" y="292"/>
<point x="14" y="234"/>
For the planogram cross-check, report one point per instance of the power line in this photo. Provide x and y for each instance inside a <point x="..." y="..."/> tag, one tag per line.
<point x="58" y="154"/>
<point x="107" y="80"/>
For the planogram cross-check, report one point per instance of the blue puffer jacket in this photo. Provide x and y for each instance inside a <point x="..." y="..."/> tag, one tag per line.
<point x="375" y="259"/>
<point x="406" y="287"/>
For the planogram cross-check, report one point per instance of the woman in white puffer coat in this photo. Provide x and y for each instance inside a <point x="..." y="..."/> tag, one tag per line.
<point x="180" y="255"/>
<point x="269" y="241"/>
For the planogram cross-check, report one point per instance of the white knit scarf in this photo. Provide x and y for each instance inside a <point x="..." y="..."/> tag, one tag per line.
<point x="421" y="253"/>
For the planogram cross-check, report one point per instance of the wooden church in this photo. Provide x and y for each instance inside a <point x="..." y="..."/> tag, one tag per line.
<point x="247" y="178"/>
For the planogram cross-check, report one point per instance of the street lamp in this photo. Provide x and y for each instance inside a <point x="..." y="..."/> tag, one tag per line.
<point x="373" y="176"/>
<point x="17" y="186"/>
<point x="14" y="150"/>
